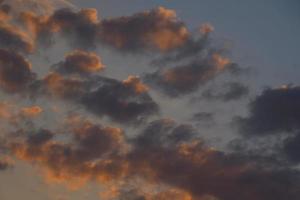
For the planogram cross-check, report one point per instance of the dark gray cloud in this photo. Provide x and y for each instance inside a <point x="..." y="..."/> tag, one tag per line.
<point x="272" y="112"/>
<point x="15" y="72"/>
<point x="272" y="126"/>
<point x="40" y="138"/>
<point x="291" y="148"/>
<point x="79" y="28"/>
<point x="13" y="38"/>
<point x="121" y="101"/>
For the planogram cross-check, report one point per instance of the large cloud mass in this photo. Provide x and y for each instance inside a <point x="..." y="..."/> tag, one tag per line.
<point x="55" y="119"/>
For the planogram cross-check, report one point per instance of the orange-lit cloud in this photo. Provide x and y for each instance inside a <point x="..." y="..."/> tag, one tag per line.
<point x="80" y="61"/>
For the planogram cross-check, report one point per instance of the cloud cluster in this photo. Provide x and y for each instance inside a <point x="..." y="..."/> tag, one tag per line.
<point x="157" y="29"/>
<point x="165" y="154"/>
<point x="93" y="153"/>
<point x="166" y="160"/>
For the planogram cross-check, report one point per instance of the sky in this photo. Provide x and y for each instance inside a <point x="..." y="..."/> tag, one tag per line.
<point x="149" y="100"/>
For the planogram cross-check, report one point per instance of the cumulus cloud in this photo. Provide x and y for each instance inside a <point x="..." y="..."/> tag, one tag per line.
<point x="273" y="120"/>
<point x="157" y="29"/>
<point x="13" y="38"/>
<point x="80" y="62"/>
<point x="126" y="101"/>
<point x="274" y="111"/>
<point x="184" y="79"/>
<point x="15" y="72"/>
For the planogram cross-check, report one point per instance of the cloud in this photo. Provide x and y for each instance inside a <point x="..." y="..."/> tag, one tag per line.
<point x="15" y="72"/>
<point x="184" y="79"/>
<point x="79" y="28"/>
<point x="231" y="91"/>
<point x="166" y="160"/>
<point x="274" y="111"/>
<point x="291" y="148"/>
<point x="157" y="29"/>
<point x="166" y="157"/>
<point x="122" y="101"/>
<point x="204" y="118"/>
<point x="37" y="6"/>
<point x="92" y="154"/>
<point x="273" y="123"/>
<point x="13" y="38"/>
<point x="200" y="171"/>
<point x="125" y="101"/>
<point x="80" y="62"/>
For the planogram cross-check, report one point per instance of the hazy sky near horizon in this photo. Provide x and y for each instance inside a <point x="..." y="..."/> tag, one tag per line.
<point x="149" y="100"/>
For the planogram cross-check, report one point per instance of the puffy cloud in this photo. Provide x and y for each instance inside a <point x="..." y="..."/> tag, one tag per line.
<point x="155" y="29"/>
<point x="124" y="101"/>
<point x="80" y="62"/>
<point x="135" y="83"/>
<point x="15" y="72"/>
<point x="184" y="79"/>
<point x="13" y="38"/>
<point x="121" y="101"/>
<point x="273" y="123"/>
<point x="80" y="28"/>
<point x="274" y="111"/>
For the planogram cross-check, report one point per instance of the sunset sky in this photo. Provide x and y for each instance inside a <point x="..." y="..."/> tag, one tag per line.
<point x="149" y="100"/>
